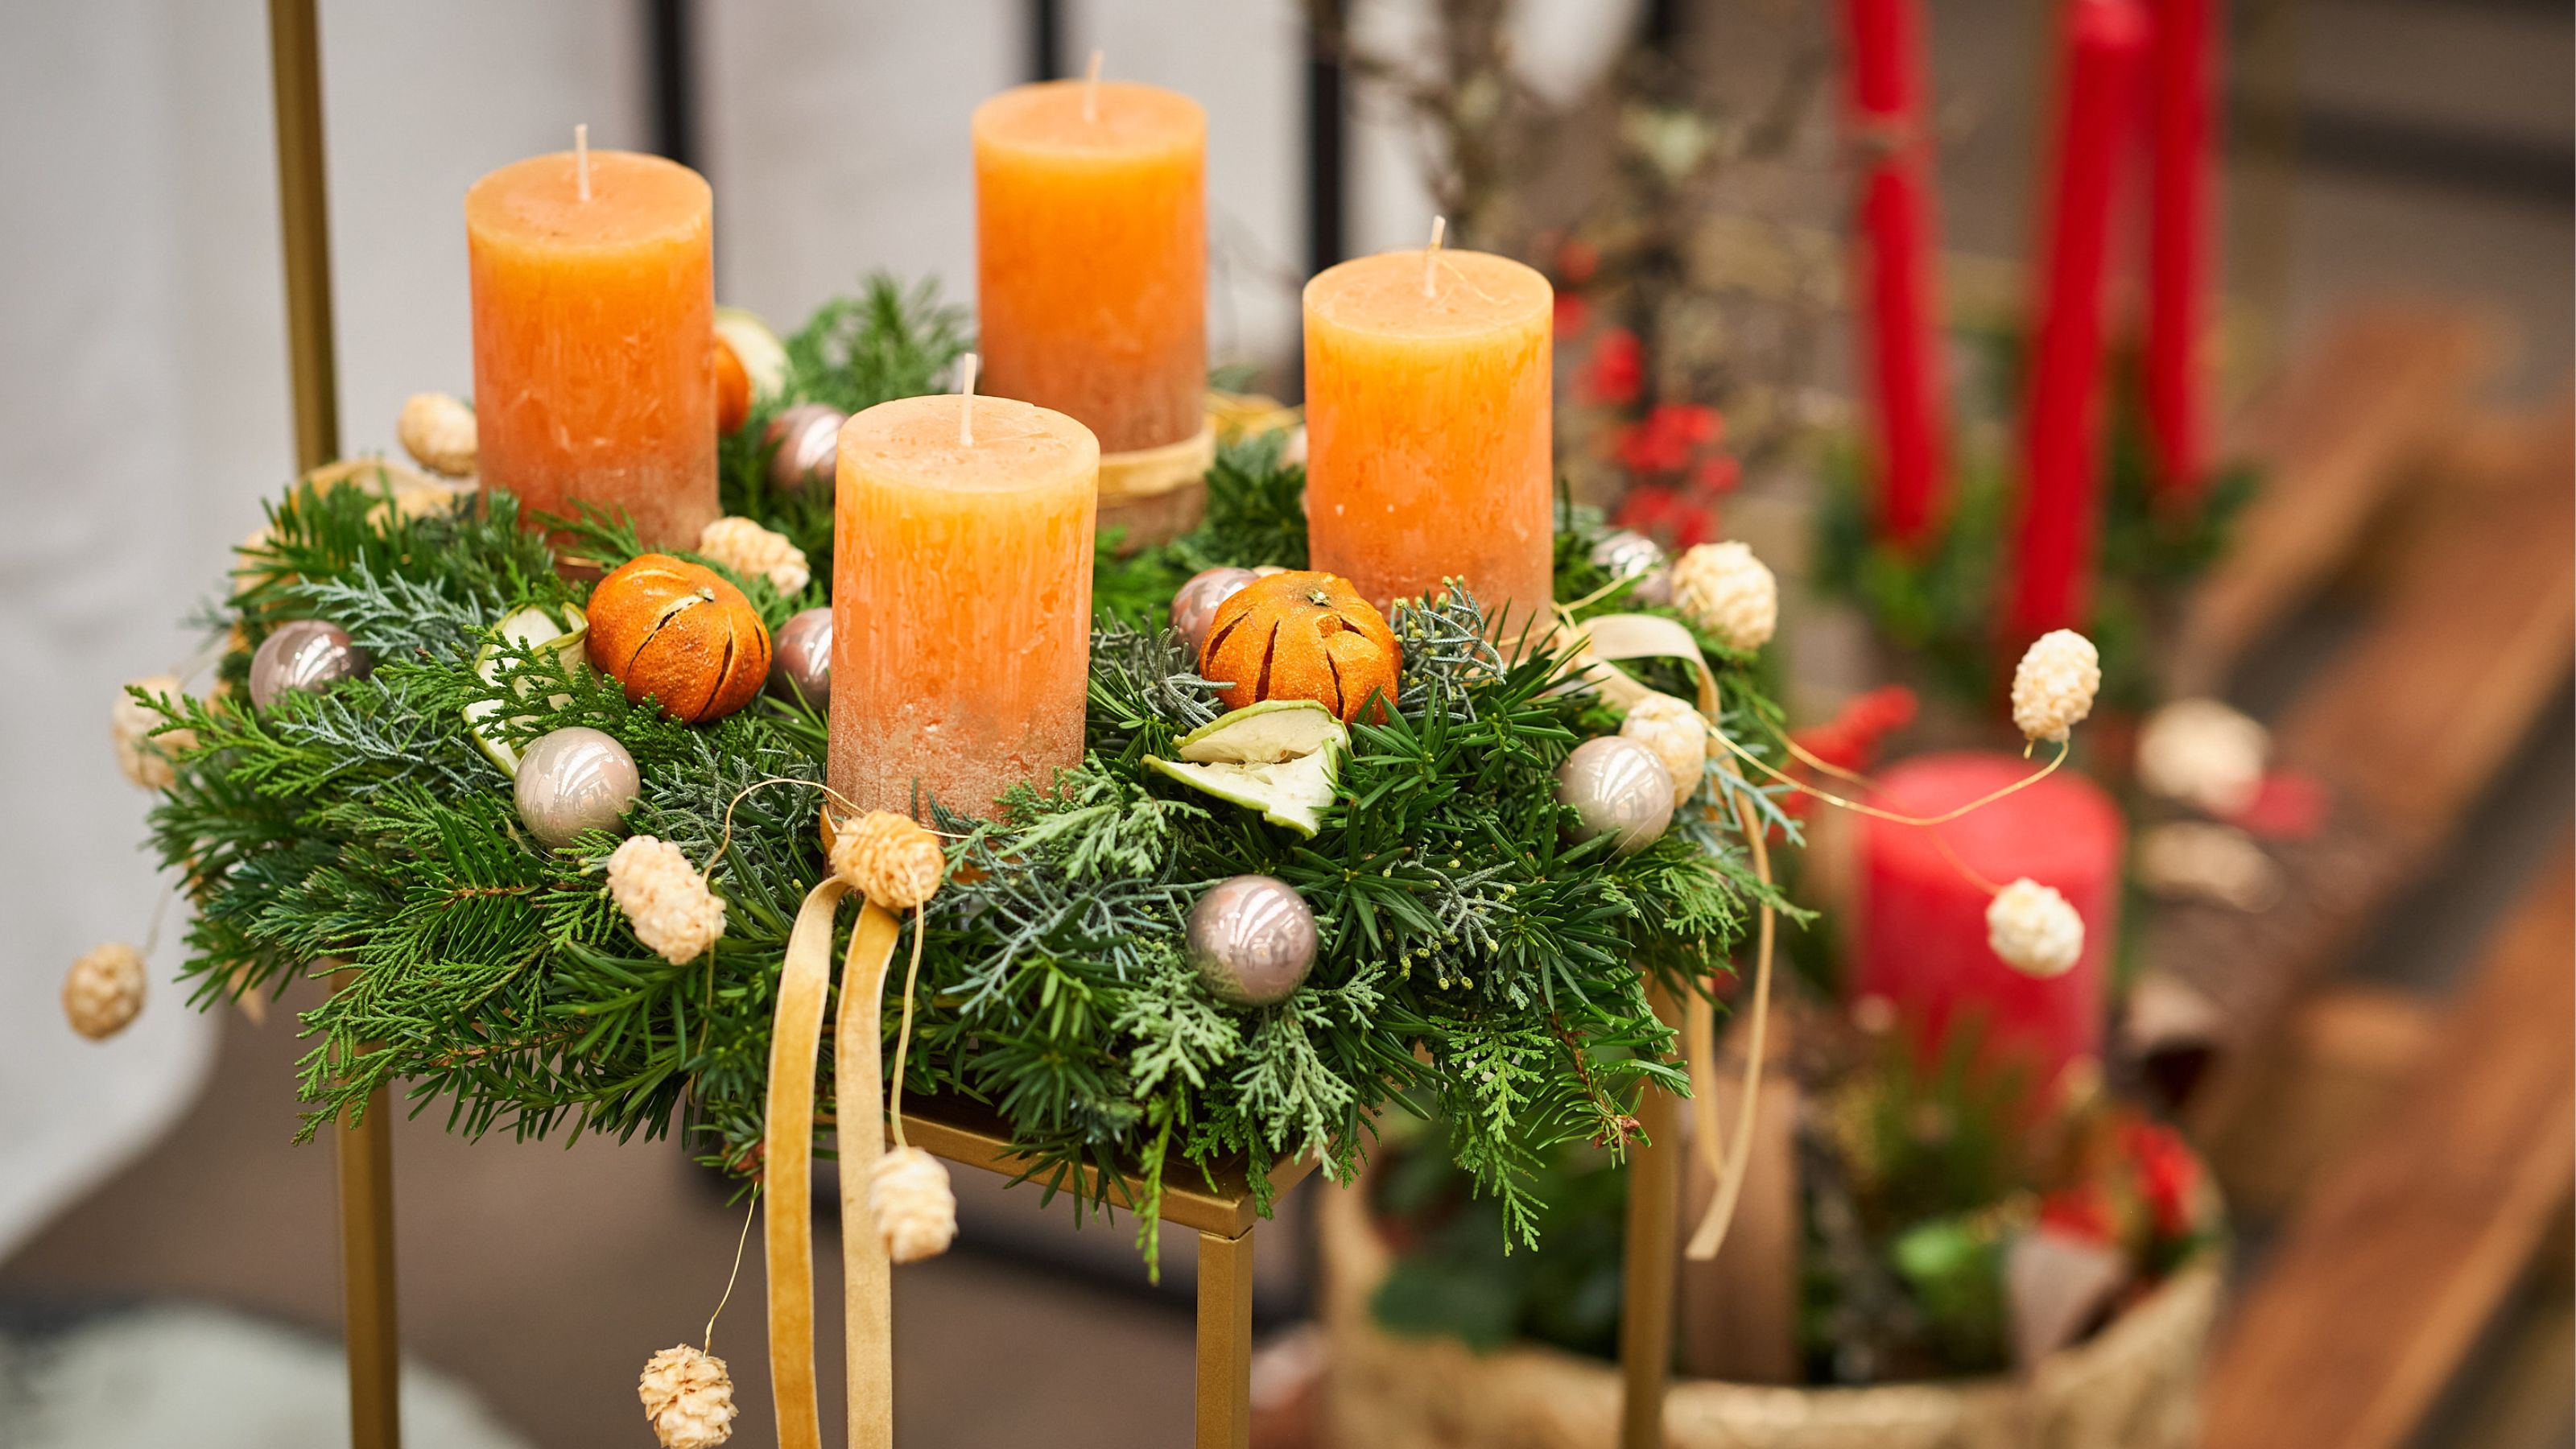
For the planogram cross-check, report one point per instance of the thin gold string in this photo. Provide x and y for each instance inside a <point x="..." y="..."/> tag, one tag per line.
<point x="1975" y="877"/>
<point x="1873" y="812"/>
<point x="1800" y="753"/>
<point x="750" y="1210"/>
<point x="724" y="842"/>
<point x="903" y="1033"/>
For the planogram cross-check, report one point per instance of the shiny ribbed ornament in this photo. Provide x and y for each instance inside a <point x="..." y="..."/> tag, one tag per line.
<point x="801" y="667"/>
<point x="301" y="656"/>
<point x="1628" y="554"/>
<point x="1194" y="606"/>
<point x="806" y="444"/>
<point x="574" y="780"/>
<point x="1616" y="787"/>
<point x="1252" y="939"/>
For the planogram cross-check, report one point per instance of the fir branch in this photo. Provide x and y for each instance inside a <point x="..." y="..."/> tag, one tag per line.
<point x="1465" y="947"/>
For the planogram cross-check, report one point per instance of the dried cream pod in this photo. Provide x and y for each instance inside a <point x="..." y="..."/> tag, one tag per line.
<point x="1726" y="591"/>
<point x="2034" y="929"/>
<point x="688" y="1398"/>
<point x="103" y="992"/>
<point x="664" y="898"/>
<point x="438" y="431"/>
<point x="914" y="1207"/>
<point x="1678" y="737"/>
<point x="747" y="548"/>
<point x="2054" y="685"/>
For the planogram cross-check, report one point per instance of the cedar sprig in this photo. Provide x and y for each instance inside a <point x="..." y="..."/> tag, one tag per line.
<point x="1465" y="948"/>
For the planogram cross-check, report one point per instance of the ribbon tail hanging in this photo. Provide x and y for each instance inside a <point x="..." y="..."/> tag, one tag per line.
<point x="859" y="1116"/>
<point x="787" y="1167"/>
<point x="1605" y="642"/>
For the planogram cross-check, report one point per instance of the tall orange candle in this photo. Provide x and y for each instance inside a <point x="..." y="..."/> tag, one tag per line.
<point x="594" y="338"/>
<point x="961" y="601"/>
<point x="1091" y="256"/>
<point x="1427" y="430"/>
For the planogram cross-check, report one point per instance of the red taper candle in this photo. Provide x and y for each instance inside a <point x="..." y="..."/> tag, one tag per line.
<point x="1895" y="261"/>
<point x="2052" y="578"/>
<point x="2185" y="88"/>
<point x="1922" y="940"/>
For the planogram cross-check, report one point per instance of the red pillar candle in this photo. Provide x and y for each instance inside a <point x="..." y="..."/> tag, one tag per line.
<point x="1894" y="261"/>
<point x="1922" y="938"/>
<point x="2052" y="578"/>
<point x="2178" y="244"/>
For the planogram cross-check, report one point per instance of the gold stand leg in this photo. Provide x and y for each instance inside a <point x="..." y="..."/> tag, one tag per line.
<point x="304" y="230"/>
<point x="1225" y="1342"/>
<point x="366" y="1151"/>
<point x="367" y="1278"/>
<point x="1646" y="1265"/>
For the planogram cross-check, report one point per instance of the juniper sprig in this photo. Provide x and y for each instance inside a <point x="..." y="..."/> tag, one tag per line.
<point x="1468" y="948"/>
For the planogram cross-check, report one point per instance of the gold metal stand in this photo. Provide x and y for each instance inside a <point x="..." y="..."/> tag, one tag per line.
<point x="304" y="230"/>
<point x="367" y="1278"/>
<point x="1225" y="1341"/>
<point x="971" y="1136"/>
<point x="366" y="1150"/>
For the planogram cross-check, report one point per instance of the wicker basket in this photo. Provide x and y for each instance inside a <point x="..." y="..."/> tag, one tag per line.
<point x="2134" y="1385"/>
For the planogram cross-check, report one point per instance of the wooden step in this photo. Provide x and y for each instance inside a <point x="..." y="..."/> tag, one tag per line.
<point x="2407" y="1248"/>
<point x="2407" y="726"/>
<point x="2333" y="437"/>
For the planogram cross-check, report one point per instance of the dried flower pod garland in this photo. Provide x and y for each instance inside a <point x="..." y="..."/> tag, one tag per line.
<point x="1465" y="944"/>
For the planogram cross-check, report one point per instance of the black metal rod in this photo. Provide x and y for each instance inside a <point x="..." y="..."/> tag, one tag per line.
<point x="672" y="72"/>
<point x="1662" y="26"/>
<point x="1046" y="40"/>
<point x="1327" y="134"/>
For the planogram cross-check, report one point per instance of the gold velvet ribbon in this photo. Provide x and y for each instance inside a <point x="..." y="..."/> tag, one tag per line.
<point x="1152" y="472"/>
<point x="1605" y="641"/>
<point x="787" y="1237"/>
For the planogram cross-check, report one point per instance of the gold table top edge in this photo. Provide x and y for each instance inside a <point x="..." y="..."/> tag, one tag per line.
<point x="971" y="1135"/>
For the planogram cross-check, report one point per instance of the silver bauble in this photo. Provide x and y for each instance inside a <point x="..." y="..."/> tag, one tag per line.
<point x="800" y="661"/>
<point x="1194" y="606"/>
<point x="303" y="655"/>
<point x="573" y="780"/>
<point x="807" y="443"/>
<point x="1617" y="787"/>
<point x="1628" y="554"/>
<point x="1252" y="939"/>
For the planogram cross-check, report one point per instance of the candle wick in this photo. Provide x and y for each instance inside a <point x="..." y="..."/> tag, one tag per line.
<point x="966" y="401"/>
<point x="581" y="159"/>
<point x="1431" y="253"/>
<point x="1091" y="90"/>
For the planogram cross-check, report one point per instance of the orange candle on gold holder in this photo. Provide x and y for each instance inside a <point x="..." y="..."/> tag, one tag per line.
<point x="594" y="338"/>
<point x="1091" y="256"/>
<point x="961" y="602"/>
<point x="1427" y="428"/>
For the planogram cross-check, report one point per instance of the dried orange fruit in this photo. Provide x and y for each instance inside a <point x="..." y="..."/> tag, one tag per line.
<point x="1302" y="635"/>
<point x="677" y="631"/>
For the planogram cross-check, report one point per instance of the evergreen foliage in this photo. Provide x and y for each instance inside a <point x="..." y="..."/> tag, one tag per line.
<point x="1467" y="950"/>
<point x="1938" y="603"/>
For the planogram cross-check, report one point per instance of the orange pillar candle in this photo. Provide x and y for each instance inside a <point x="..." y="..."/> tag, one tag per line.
<point x="961" y="602"/>
<point x="594" y="338"/>
<point x="1091" y="256"/>
<point x="1427" y="442"/>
